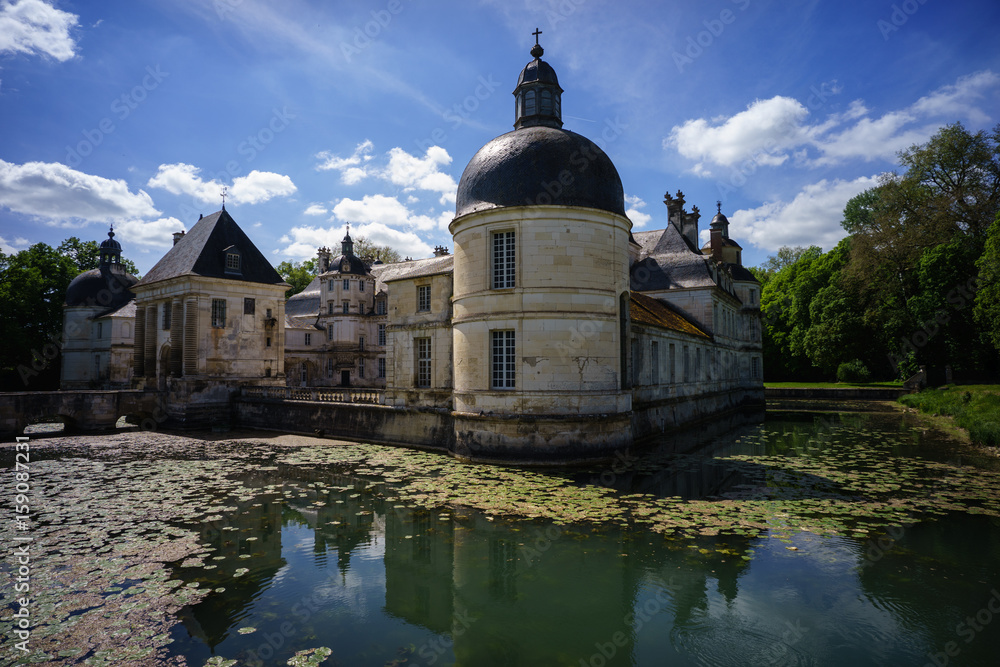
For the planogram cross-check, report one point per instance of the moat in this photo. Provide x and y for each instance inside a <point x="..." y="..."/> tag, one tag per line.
<point x="833" y="534"/>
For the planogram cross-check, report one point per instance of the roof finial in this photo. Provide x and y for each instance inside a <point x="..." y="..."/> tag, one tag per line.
<point x="111" y="234"/>
<point x="225" y="190"/>
<point x="718" y="206"/>
<point x="537" y="50"/>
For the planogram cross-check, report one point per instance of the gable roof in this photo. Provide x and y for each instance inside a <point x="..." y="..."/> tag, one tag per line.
<point x="647" y="310"/>
<point x="667" y="261"/>
<point x="201" y="252"/>
<point x="414" y="268"/>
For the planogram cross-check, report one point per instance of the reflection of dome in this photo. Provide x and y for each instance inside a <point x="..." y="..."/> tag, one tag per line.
<point x="540" y="165"/>
<point x="102" y="287"/>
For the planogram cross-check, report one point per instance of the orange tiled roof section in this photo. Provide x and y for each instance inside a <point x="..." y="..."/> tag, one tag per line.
<point x="647" y="310"/>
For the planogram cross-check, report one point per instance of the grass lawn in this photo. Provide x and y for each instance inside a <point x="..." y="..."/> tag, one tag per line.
<point x="975" y="407"/>
<point x="833" y="385"/>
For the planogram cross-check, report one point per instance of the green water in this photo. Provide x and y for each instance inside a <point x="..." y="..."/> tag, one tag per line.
<point x="859" y="538"/>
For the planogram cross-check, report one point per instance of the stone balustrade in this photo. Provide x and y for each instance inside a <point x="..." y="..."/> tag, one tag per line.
<point x="321" y="394"/>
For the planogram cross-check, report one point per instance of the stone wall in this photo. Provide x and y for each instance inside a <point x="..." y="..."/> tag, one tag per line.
<point x="414" y="427"/>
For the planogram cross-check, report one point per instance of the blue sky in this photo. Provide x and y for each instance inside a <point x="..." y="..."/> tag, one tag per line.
<point x="318" y="114"/>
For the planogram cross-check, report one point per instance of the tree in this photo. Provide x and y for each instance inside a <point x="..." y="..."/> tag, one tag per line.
<point x="987" y="298"/>
<point x="786" y="256"/>
<point x="33" y="286"/>
<point x="916" y="238"/>
<point x="32" y="291"/>
<point x="86" y="255"/>
<point x="370" y="252"/>
<point x="297" y="274"/>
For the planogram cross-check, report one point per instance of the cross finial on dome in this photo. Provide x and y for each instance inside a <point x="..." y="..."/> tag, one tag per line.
<point x="537" y="50"/>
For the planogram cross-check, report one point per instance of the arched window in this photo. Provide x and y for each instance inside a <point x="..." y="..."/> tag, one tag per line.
<point x="529" y="103"/>
<point x="546" y="103"/>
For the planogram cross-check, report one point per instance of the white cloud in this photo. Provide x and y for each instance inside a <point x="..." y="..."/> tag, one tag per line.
<point x="638" y="218"/>
<point x="315" y="209"/>
<point x="34" y="26"/>
<point x="350" y="171"/>
<point x="61" y="195"/>
<point x="771" y="131"/>
<point x="956" y="100"/>
<point x="259" y="186"/>
<point x="11" y="247"/>
<point x="386" y="210"/>
<point x="254" y="188"/>
<point x="812" y="218"/>
<point x="303" y="241"/>
<point x="403" y="169"/>
<point x="767" y="127"/>
<point x="423" y="173"/>
<point x="140" y="235"/>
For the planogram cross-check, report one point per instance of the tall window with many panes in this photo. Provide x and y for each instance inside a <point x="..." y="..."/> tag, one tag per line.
<point x="502" y="359"/>
<point x="423" y="348"/>
<point x="218" y="313"/>
<point x="423" y="298"/>
<point x="503" y="260"/>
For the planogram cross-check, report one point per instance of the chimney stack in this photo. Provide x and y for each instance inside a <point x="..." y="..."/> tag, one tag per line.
<point x="178" y="236"/>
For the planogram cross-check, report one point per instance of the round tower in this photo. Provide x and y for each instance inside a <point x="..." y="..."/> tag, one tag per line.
<point x="540" y="305"/>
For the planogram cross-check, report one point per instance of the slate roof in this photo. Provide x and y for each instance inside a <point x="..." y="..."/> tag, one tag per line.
<point x="415" y="268"/>
<point x="306" y="302"/>
<point x="201" y="252"/>
<point x="667" y="261"/>
<point x="515" y="168"/>
<point x="103" y="286"/>
<point x="128" y="310"/>
<point x="647" y="310"/>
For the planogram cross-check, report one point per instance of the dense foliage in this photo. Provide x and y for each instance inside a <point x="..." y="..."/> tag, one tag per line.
<point x="33" y="286"/>
<point x="914" y="284"/>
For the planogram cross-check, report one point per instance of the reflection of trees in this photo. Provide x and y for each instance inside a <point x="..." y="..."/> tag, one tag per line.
<point x="259" y="518"/>
<point x="955" y="560"/>
<point x="504" y="592"/>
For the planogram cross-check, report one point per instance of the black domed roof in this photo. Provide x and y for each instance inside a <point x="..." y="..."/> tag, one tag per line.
<point x="104" y="287"/>
<point x="538" y="166"/>
<point x="538" y="70"/>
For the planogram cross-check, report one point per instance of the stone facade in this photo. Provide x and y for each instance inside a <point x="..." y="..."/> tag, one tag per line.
<point x="553" y="334"/>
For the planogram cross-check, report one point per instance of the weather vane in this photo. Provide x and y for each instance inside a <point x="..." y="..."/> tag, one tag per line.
<point x="225" y="189"/>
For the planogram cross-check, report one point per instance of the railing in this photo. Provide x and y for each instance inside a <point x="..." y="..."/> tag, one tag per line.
<point x="322" y="394"/>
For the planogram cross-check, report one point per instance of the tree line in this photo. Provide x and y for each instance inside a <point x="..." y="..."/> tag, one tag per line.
<point x="915" y="283"/>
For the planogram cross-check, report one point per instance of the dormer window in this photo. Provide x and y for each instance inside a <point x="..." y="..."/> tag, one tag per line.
<point x="233" y="260"/>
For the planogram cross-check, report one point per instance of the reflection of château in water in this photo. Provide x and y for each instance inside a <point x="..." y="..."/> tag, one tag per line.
<point x="466" y="577"/>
